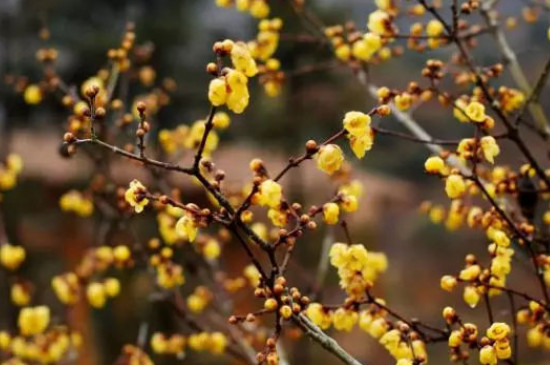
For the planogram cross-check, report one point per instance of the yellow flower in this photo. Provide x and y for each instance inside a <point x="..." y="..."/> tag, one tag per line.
<point x="200" y="298"/>
<point x="20" y="296"/>
<point x="361" y="144"/>
<point x="434" y="28"/>
<point x="121" y="253"/>
<point x="186" y="227"/>
<point x="243" y="5"/>
<point x="434" y="165"/>
<point x="354" y="188"/>
<point x="33" y="320"/>
<point x="170" y="275"/>
<point x="237" y="96"/>
<point x="364" y="48"/>
<point x="503" y="349"/>
<point x="378" y="21"/>
<point x="211" y="249"/>
<point x="490" y="148"/>
<point x="349" y="203"/>
<point x="158" y="343"/>
<point x="500" y="238"/>
<point x="271" y="193"/>
<point x="242" y="59"/>
<point x="330" y="158"/>
<point x="487" y="355"/>
<point x="221" y="120"/>
<point x="95" y="293"/>
<point x="285" y="311"/>
<point x="455" y="339"/>
<point x="74" y="201"/>
<point x="498" y="331"/>
<point x="331" y="212"/>
<point x="270" y="304"/>
<point x="455" y="186"/>
<point x="32" y="95"/>
<point x="534" y="337"/>
<point x="459" y="110"/>
<point x="344" y="320"/>
<point x="8" y="179"/>
<point x="112" y="287"/>
<point x="316" y="313"/>
<point x="14" y="163"/>
<point x="378" y="327"/>
<point x="278" y="217"/>
<point x="470" y="273"/>
<point x="259" y="9"/>
<point x="135" y="196"/>
<point x="448" y="283"/>
<point x="403" y="101"/>
<point x="343" y="52"/>
<point x="252" y="274"/>
<point x="356" y="123"/>
<point x="471" y="296"/>
<point x="217" y="92"/>
<point x="11" y="257"/>
<point x="66" y="288"/>
<point x="475" y="111"/>
<point x="5" y="340"/>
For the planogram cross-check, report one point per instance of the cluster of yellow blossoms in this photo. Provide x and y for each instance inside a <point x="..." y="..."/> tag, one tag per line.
<point x="330" y="157"/>
<point x="231" y="87"/>
<point x="9" y="170"/>
<point x="403" y="344"/>
<point x="76" y="202"/>
<point x="168" y="345"/>
<point x="98" y="292"/>
<point x="536" y="317"/>
<point x="35" y="343"/>
<point x="480" y="281"/>
<point x="357" y="269"/>
<point x="500" y="348"/>
<point x="213" y="342"/>
<point x="256" y="8"/>
<point x="355" y="46"/>
<point x="185" y="137"/>
<point x="199" y="299"/>
<point x="69" y="286"/>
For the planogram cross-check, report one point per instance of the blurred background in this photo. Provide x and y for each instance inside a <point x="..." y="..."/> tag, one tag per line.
<point x="311" y="106"/>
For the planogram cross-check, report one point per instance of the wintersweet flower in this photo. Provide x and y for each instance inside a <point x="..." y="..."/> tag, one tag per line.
<point x="135" y="196"/>
<point x="455" y="186"/>
<point x="270" y="193"/>
<point x="498" y="331"/>
<point x="434" y="165"/>
<point x="331" y="212"/>
<point x="330" y="158"/>
<point x="242" y="59"/>
<point x="217" y="92"/>
<point x="33" y="320"/>
<point x="32" y="95"/>
<point x="238" y="96"/>
<point x="487" y="355"/>
<point x="11" y="256"/>
<point x="490" y="148"/>
<point x="187" y="227"/>
<point x="356" y="123"/>
<point x="378" y="21"/>
<point x="475" y="111"/>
